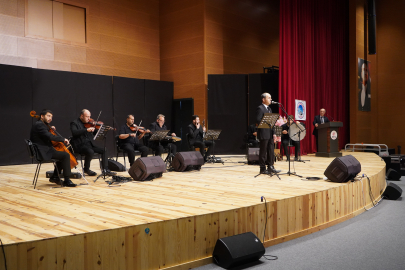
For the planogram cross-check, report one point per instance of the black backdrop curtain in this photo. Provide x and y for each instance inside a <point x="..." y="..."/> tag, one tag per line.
<point x="227" y="110"/>
<point x="66" y="94"/>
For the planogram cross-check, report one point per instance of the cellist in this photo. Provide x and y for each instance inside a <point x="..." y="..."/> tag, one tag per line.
<point x="42" y="138"/>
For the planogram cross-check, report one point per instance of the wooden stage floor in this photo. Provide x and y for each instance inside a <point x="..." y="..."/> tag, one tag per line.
<point x="174" y="221"/>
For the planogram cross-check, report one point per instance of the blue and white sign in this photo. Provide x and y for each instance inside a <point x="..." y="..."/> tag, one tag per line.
<point x="300" y="110"/>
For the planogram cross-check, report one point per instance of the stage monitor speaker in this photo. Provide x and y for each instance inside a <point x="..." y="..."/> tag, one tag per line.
<point x="147" y="168"/>
<point x="343" y="169"/>
<point x="185" y="161"/>
<point x="372" y="47"/>
<point x="393" y="175"/>
<point x="237" y="250"/>
<point x="253" y="154"/>
<point x="392" y="192"/>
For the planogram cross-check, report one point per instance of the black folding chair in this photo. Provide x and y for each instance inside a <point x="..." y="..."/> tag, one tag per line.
<point x="33" y="153"/>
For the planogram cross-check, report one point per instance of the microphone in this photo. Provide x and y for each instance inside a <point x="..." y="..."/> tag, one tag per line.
<point x="330" y="117"/>
<point x="273" y="102"/>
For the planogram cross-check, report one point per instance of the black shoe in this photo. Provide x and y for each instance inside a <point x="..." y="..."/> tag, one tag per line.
<point x="68" y="183"/>
<point x="296" y="159"/>
<point x="55" y="179"/>
<point x="110" y="173"/>
<point x="90" y="172"/>
<point x="273" y="170"/>
<point x="264" y="171"/>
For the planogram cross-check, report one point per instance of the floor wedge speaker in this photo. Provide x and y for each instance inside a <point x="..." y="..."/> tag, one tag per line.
<point x="392" y="192"/>
<point x="185" y="161"/>
<point x="147" y="168"/>
<point x="343" y="169"/>
<point x="237" y="250"/>
<point x="253" y="154"/>
<point x="393" y="175"/>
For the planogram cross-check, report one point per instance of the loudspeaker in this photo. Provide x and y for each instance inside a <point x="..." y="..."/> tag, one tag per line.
<point x="115" y="166"/>
<point x="183" y="161"/>
<point x="393" y="175"/>
<point x="253" y="154"/>
<point x="392" y="192"/>
<point x="238" y="249"/>
<point x="371" y="28"/>
<point x="343" y="169"/>
<point x="147" y="168"/>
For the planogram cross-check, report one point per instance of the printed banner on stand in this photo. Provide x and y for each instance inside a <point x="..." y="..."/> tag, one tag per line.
<point x="300" y="110"/>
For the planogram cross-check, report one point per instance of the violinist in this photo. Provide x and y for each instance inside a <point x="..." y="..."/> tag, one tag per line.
<point x="158" y="148"/>
<point x="196" y="131"/>
<point x="129" y="135"/>
<point x="42" y="138"/>
<point x="82" y="143"/>
<point x="285" y="139"/>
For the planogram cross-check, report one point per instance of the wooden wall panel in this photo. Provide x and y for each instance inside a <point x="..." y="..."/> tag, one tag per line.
<point x="182" y="49"/>
<point x="9" y="7"/>
<point x="386" y="70"/>
<point x="115" y="29"/>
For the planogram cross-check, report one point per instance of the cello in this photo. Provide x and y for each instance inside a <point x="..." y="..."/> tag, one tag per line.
<point x="59" y="146"/>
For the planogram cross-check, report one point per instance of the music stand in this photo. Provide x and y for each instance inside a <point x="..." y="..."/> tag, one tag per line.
<point x="102" y="135"/>
<point x="212" y="135"/>
<point x="268" y="121"/>
<point x="159" y="136"/>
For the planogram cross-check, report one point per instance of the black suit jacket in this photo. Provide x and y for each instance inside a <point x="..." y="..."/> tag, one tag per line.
<point x="263" y="133"/>
<point x="81" y="136"/>
<point x="317" y="120"/>
<point x="42" y="137"/>
<point x="195" y="134"/>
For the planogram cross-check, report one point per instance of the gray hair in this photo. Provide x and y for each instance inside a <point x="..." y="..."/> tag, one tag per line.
<point x="264" y="95"/>
<point x="160" y="115"/>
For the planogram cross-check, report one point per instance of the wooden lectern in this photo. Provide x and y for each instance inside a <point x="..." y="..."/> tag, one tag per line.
<point x="328" y="139"/>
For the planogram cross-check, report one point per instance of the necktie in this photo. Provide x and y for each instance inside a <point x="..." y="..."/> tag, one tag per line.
<point x="268" y="108"/>
<point x="321" y="120"/>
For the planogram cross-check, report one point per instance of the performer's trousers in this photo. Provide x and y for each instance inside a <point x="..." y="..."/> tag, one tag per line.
<point x="202" y="145"/>
<point x="63" y="163"/>
<point x="130" y="150"/>
<point x="266" y="154"/>
<point x="293" y="143"/>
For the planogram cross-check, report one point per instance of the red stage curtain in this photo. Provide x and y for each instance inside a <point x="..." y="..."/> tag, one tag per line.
<point x="313" y="62"/>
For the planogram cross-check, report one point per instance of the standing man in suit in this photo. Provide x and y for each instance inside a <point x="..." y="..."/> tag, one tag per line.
<point x="319" y="119"/>
<point x="196" y="135"/>
<point x="266" y="136"/>
<point x="42" y="138"/>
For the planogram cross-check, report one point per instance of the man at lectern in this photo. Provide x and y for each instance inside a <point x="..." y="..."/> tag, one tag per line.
<point x="319" y="119"/>
<point x="267" y="137"/>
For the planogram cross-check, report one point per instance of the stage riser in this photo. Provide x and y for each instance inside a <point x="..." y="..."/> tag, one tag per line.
<point x="189" y="241"/>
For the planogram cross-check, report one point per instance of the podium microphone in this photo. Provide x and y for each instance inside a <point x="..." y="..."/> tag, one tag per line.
<point x="273" y="102"/>
<point x="330" y="117"/>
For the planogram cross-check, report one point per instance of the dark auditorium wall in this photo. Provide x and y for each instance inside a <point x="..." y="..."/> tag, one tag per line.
<point x="383" y="123"/>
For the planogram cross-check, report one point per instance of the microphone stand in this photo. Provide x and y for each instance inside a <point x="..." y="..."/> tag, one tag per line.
<point x="289" y="159"/>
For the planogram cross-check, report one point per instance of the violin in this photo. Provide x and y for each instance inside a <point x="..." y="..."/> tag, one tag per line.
<point x="137" y="128"/>
<point x="59" y="146"/>
<point x="96" y="125"/>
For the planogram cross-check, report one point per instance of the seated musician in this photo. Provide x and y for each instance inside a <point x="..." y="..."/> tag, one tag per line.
<point x="196" y="132"/>
<point x="158" y="148"/>
<point x="82" y="143"/>
<point x="252" y="136"/>
<point x="285" y="139"/>
<point x="129" y="140"/>
<point x="42" y="138"/>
